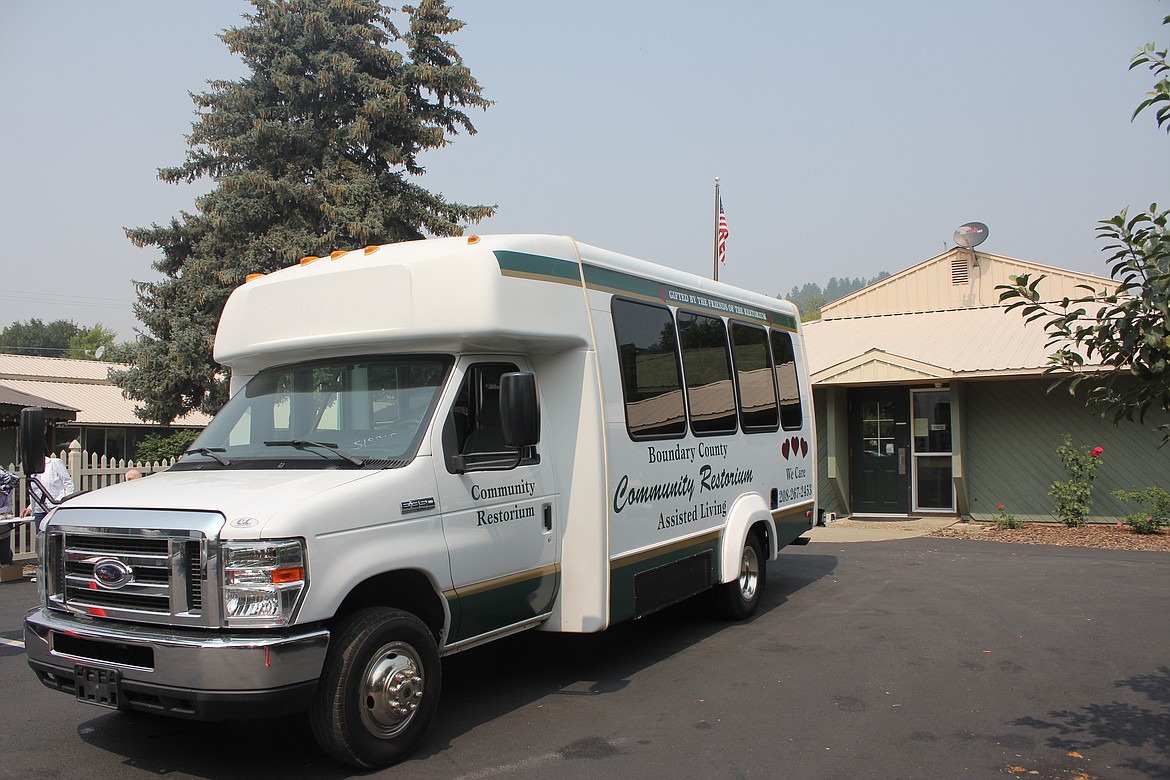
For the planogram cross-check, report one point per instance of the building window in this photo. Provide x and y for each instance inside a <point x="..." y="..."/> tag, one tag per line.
<point x="62" y="437"/>
<point x="877" y="427"/>
<point x="103" y="442"/>
<point x="116" y="444"/>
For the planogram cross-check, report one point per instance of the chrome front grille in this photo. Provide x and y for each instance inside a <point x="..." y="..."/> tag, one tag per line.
<point x="152" y="575"/>
<point x="148" y="560"/>
<point x="195" y="569"/>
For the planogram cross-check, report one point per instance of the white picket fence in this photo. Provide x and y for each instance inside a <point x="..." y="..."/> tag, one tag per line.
<point x="89" y="472"/>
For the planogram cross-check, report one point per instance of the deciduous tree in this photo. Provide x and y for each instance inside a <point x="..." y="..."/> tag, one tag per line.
<point x="34" y="337"/>
<point x="1123" y="329"/>
<point x="94" y="343"/>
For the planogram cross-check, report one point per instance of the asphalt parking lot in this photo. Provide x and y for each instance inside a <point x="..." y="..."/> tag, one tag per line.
<point x="915" y="658"/>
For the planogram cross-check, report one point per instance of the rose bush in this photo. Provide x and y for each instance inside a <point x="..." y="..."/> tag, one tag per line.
<point x="1007" y="519"/>
<point x="1072" y="498"/>
<point x="1155" y="513"/>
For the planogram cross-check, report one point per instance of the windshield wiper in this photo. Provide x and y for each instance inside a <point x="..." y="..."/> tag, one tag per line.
<point x="211" y="453"/>
<point x="301" y="444"/>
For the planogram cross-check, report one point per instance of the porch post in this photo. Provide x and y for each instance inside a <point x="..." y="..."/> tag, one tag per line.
<point x="958" y="475"/>
<point x="837" y="445"/>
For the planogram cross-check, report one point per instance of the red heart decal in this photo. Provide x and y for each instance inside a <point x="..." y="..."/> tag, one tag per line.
<point x="803" y="448"/>
<point x="784" y="450"/>
<point x="795" y="444"/>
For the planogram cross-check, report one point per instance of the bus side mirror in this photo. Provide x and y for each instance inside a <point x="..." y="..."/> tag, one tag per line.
<point x="32" y="440"/>
<point x="519" y="409"/>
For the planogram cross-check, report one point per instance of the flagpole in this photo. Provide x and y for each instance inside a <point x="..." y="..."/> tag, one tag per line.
<point x="715" y="274"/>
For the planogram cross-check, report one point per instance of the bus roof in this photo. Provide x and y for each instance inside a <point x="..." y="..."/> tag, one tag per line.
<point x="455" y="294"/>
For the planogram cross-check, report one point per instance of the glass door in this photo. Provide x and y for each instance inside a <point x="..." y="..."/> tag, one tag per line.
<point x="934" y="490"/>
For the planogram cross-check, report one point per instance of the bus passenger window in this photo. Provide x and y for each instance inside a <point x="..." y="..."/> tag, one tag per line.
<point x="707" y="368"/>
<point x="651" y="377"/>
<point x="754" y="378"/>
<point x="791" y="415"/>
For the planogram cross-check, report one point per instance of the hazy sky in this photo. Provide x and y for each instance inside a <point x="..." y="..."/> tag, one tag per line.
<point x="850" y="136"/>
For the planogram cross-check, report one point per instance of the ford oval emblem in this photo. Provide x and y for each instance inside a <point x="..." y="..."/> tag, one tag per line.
<point x="245" y="522"/>
<point x="111" y="573"/>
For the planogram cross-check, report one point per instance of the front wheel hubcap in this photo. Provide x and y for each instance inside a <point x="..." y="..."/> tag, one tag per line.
<point x="392" y="689"/>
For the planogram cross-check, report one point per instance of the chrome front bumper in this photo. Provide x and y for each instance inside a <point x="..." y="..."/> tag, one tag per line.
<point x="188" y="673"/>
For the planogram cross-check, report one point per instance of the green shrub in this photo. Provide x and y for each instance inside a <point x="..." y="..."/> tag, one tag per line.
<point x="1155" y="514"/>
<point x="1072" y="498"/>
<point x="1007" y="519"/>
<point x="157" y="447"/>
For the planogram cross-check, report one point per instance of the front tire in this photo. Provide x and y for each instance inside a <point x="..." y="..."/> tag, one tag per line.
<point x="379" y="689"/>
<point x="739" y="599"/>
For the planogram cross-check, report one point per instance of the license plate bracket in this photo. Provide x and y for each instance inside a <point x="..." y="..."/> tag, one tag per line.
<point x="98" y="685"/>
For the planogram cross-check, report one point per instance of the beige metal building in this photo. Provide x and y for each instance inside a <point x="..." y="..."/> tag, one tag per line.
<point x="80" y="404"/>
<point x="930" y="399"/>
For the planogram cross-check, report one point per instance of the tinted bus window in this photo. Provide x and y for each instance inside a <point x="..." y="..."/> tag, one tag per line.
<point x="755" y="381"/>
<point x="651" y="377"/>
<point x="707" y="368"/>
<point x="791" y="416"/>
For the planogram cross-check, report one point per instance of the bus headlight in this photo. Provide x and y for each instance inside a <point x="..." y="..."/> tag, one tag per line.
<point x="262" y="581"/>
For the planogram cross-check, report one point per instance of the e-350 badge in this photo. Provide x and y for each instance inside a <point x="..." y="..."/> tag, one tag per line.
<point x="418" y="505"/>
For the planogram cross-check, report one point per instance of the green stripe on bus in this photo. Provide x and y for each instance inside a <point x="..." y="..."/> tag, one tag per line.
<point x="495" y="607"/>
<point x="791" y="523"/>
<point x="609" y="280"/>
<point x="621" y="576"/>
<point x="554" y="269"/>
<point x="537" y="266"/>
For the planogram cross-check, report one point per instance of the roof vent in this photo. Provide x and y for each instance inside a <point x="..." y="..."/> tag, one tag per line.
<point x="960" y="270"/>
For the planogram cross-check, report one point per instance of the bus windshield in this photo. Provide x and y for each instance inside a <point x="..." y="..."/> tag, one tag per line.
<point x="338" y="413"/>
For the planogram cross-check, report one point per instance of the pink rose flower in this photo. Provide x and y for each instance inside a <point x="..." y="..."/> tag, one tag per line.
<point x="1097" y="451"/>
<point x="999" y="507"/>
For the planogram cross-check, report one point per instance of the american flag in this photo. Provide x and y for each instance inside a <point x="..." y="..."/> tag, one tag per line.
<point x="722" y="234"/>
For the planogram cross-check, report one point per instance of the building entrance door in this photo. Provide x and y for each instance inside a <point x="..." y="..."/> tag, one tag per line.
<point x="934" y="490"/>
<point x="879" y="450"/>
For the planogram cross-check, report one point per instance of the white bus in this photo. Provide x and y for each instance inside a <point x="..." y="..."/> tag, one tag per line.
<point x="430" y="445"/>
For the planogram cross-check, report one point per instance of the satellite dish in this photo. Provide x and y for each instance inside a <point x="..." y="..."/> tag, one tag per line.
<point x="971" y="234"/>
<point x="98" y="354"/>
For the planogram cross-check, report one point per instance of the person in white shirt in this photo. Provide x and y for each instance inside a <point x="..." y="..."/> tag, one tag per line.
<point x="56" y="481"/>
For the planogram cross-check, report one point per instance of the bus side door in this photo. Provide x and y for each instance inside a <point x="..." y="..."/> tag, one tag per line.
<point x="500" y="506"/>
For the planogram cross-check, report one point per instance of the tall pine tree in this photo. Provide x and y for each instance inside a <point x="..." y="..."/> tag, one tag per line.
<point x="314" y="151"/>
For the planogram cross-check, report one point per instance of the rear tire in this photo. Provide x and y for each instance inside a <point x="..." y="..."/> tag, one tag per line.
<point x="739" y="599"/>
<point x="379" y="689"/>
